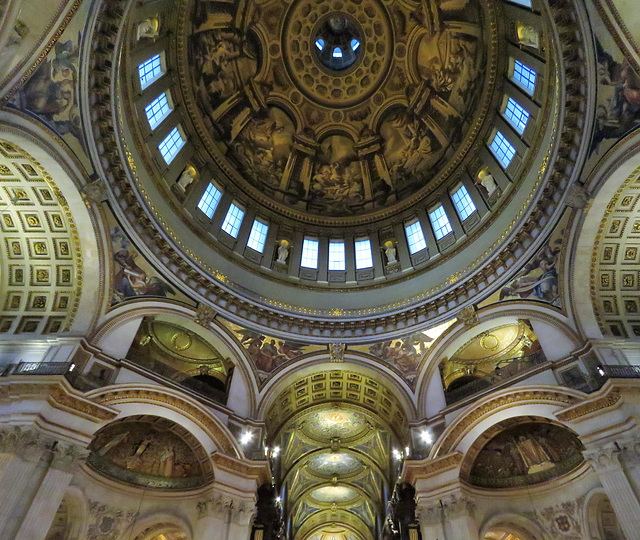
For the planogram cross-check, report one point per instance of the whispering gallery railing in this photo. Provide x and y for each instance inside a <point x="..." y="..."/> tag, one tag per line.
<point x="508" y="369"/>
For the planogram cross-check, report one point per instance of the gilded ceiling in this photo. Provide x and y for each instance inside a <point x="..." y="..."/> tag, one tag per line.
<point x="41" y="263"/>
<point x="345" y="133"/>
<point x="615" y="280"/>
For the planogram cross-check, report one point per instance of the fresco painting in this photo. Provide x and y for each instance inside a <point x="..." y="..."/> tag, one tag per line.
<point x="538" y="279"/>
<point x="132" y="275"/>
<point x="266" y="352"/>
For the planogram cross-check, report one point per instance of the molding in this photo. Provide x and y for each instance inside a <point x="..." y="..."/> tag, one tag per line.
<point x="414" y="470"/>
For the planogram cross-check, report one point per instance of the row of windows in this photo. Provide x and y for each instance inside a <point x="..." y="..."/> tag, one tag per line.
<point x="514" y="113"/>
<point x="337" y="258"/>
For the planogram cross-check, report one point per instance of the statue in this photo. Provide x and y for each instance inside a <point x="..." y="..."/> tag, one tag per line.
<point x="187" y="178"/>
<point x="528" y="36"/>
<point x="486" y="180"/>
<point x="390" y="251"/>
<point x="283" y="251"/>
<point x="148" y="28"/>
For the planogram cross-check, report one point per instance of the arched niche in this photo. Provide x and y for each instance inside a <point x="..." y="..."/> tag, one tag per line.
<point x="118" y="330"/>
<point x="510" y="527"/>
<point x="554" y="331"/>
<point x="71" y="519"/>
<point x="58" y="206"/>
<point x="600" y="521"/>
<point x="134" y="399"/>
<point x="156" y="525"/>
<point x="150" y="452"/>
<point x="520" y="452"/>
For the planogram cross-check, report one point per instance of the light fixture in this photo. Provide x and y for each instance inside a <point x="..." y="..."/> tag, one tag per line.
<point x="397" y="454"/>
<point x="406" y="451"/>
<point x="426" y="436"/>
<point x="275" y="451"/>
<point x="245" y="438"/>
<point x="278" y="499"/>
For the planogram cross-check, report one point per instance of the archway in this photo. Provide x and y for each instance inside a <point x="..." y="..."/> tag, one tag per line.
<point x="601" y="520"/>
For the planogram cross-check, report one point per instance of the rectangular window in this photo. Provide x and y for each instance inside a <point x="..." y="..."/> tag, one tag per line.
<point x="232" y="221"/>
<point x="524" y="77"/>
<point x="525" y="3"/>
<point x="337" y="260"/>
<point x="150" y="70"/>
<point x="516" y="115"/>
<point x="258" y="235"/>
<point x="463" y="203"/>
<point x="502" y="149"/>
<point x="209" y="200"/>
<point x="309" y="253"/>
<point x="364" y="258"/>
<point x="415" y="237"/>
<point x="171" y="145"/>
<point x="440" y="222"/>
<point x="157" y="110"/>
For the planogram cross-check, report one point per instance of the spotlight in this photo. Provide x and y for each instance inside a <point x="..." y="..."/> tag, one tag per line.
<point x="278" y="500"/>
<point x="275" y="451"/>
<point x="426" y="436"/>
<point x="397" y="454"/>
<point x="245" y="438"/>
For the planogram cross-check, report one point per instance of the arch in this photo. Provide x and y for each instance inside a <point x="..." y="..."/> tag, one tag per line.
<point x="118" y="328"/>
<point x="147" y="399"/>
<point x="357" y="363"/>
<point x="524" y="528"/>
<point x="592" y="517"/>
<point x="67" y="173"/>
<point x="541" y="401"/>
<point x="154" y="523"/>
<point x="614" y="169"/>
<point x="554" y="327"/>
<point x="76" y="517"/>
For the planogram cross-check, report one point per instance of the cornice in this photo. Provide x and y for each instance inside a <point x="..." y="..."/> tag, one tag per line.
<point x="414" y="470"/>
<point x="253" y="470"/>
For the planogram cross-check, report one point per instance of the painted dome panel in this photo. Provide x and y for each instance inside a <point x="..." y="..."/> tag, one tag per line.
<point x="335" y="463"/>
<point x="334" y="494"/>
<point x="335" y="423"/>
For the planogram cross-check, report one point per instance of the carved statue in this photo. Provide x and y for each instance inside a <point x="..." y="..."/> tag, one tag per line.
<point x="528" y="36"/>
<point x="486" y="180"/>
<point x="187" y="178"/>
<point x="390" y="251"/>
<point x="148" y="28"/>
<point x="283" y="251"/>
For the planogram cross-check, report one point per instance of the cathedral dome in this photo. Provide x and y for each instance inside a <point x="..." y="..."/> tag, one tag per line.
<point x="309" y="148"/>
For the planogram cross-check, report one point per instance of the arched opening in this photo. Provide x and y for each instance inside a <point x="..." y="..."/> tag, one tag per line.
<point x="163" y="531"/>
<point x="602" y="522"/>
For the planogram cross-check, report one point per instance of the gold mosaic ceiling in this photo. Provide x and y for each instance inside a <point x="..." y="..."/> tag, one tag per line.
<point x="289" y="126"/>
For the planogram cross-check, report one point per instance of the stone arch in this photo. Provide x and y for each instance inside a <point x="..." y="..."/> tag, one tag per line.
<point x="541" y="401"/>
<point x="318" y="362"/>
<point x="154" y="524"/>
<point x="513" y="524"/>
<point x="118" y="329"/>
<point x="595" y="503"/>
<point x="73" y="523"/>
<point x="553" y="326"/>
<point x="200" y="421"/>
<point x="68" y="228"/>
<point x="617" y="168"/>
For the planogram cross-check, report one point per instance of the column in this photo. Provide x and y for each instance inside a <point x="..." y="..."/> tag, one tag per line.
<point x="460" y="520"/>
<point x="240" y="525"/>
<point x="211" y="524"/>
<point x="606" y="462"/>
<point x="25" y="461"/>
<point x="65" y="460"/>
<point x="431" y="518"/>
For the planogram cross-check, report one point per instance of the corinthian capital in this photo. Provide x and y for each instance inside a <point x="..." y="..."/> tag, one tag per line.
<point x="67" y="457"/>
<point x="25" y="442"/>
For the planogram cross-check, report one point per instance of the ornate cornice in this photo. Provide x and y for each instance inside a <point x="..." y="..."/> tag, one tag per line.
<point x="258" y="470"/>
<point x="221" y="438"/>
<point x="518" y="397"/>
<point x="414" y="469"/>
<point x="593" y="405"/>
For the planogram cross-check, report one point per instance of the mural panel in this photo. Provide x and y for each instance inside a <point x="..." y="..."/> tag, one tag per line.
<point x="146" y="454"/>
<point x="526" y="454"/>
